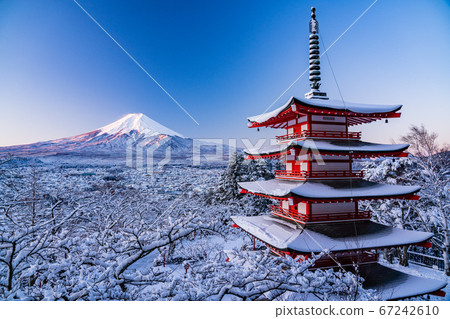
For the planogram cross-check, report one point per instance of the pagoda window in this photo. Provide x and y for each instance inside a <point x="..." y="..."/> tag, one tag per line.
<point x="285" y="204"/>
<point x="304" y="157"/>
<point x="302" y="209"/>
<point x="289" y="166"/>
<point x="290" y="157"/>
<point x="304" y="127"/>
<point x="303" y="166"/>
<point x="328" y="127"/>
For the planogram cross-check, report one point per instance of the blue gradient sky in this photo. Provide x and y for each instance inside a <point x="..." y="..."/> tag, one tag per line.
<point x="60" y="75"/>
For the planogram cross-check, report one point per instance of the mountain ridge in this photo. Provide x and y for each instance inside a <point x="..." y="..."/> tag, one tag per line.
<point x="132" y="130"/>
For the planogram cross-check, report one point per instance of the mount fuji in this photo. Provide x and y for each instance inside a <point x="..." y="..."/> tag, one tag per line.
<point x="113" y="140"/>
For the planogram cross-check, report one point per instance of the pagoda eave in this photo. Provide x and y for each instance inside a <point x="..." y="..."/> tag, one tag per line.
<point x="328" y="191"/>
<point x="276" y="122"/>
<point x="295" y="239"/>
<point x="354" y="155"/>
<point x="295" y="107"/>
<point x="352" y="118"/>
<point x="391" y="284"/>
<point x="365" y="118"/>
<point x="332" y="147"/>
<point x="244" y="191"/>
<point x="328" y="200"/>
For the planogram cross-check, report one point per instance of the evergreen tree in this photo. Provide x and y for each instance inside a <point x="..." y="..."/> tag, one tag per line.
<point x="240" y="170"/>
<point x="227" y="188"/>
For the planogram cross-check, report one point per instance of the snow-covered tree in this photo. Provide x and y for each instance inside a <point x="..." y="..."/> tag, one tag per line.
<point x="243" y="275"/>
<point x="433" y="162"/>
<point x="393" y="212"/>
<point x="428" y="167"/>
<point x="118" y="239"/>
<point x="227" y="187"/>
<point x="29" y="230"/>
<point x="5" y="159"/>
<point x="241" y="170"/>
<point x="23" y="243"/>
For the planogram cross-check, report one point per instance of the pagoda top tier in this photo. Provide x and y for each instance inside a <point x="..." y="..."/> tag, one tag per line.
<point x="355" y="113"/>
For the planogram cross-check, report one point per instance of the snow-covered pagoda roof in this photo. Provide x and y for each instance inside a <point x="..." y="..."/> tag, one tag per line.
<point x="391" y="284"/>
<point x="336" y="237"/>
<point x="357" y="113"/>
<point x="338" y="147"/>
<point x="328" y="190"/>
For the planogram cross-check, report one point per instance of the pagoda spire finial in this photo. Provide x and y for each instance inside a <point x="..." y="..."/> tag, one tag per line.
<point x="314" y="59"/>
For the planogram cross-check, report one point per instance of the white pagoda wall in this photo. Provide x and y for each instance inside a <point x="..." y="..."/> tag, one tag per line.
<point x="346" y="207"/>
<point x="333" y="207"/>
<point x="330" y="166"/>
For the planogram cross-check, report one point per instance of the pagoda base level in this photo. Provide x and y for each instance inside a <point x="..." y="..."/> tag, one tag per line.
<point x="387" y="283"/>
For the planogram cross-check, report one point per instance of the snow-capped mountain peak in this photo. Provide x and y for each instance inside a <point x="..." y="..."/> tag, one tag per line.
<point x="114" y="140"/>
<point x="137" y="122"/>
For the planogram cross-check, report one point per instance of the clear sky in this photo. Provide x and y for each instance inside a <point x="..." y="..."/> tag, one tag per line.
<point x="60" y="74"/>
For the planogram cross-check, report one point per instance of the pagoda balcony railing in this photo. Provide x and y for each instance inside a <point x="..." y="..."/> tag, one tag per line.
<point x="301" y="175"/>
<point x="346" y="259"/>
<point x="336" y="259"/>
<point x="319" y="134"/>
<point x="318" y="217"/>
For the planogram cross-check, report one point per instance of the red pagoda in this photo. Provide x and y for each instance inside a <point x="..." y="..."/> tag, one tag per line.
<point x="318" y="191"/>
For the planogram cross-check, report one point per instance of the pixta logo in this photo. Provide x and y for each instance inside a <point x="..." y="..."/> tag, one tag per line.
<point x="151" y="157"/>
